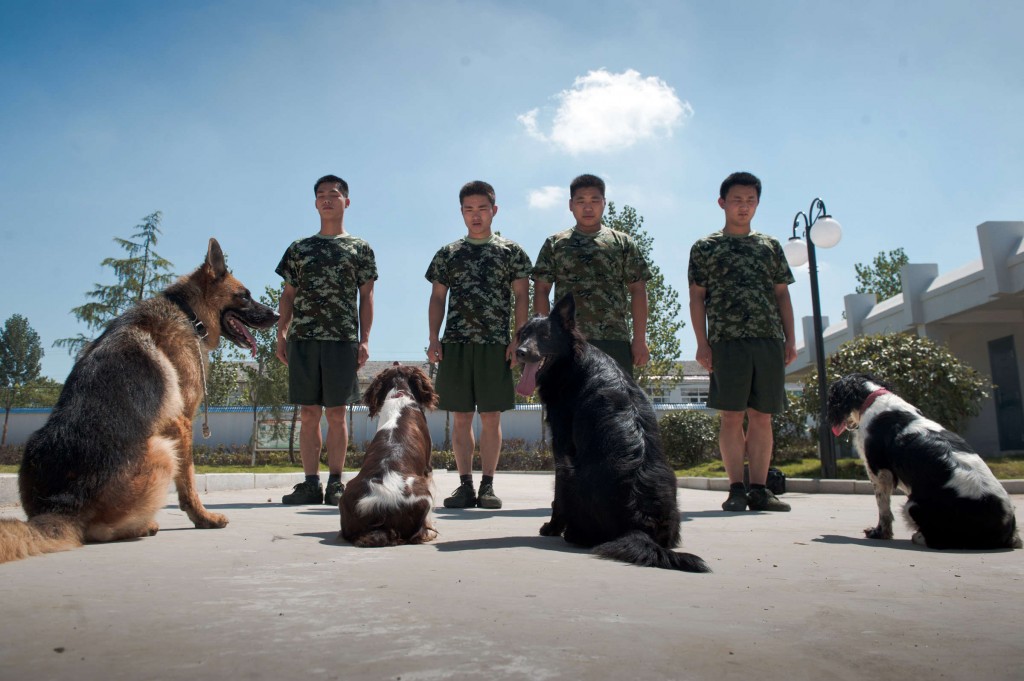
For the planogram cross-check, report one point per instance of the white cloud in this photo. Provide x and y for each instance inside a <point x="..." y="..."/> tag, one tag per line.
<point x="548" y="197"/>
<point x="606" y="111"/>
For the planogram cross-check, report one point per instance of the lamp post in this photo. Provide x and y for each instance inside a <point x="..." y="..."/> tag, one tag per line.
<point x="819" y="229"/>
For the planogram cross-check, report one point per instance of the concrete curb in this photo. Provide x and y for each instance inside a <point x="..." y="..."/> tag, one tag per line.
<point x="218" y="482"/>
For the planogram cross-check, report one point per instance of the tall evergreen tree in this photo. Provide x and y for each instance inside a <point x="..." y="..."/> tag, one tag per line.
<point x="20" y="355"/>
<point x="142" y="273"/>
<point x="663" y="319"/>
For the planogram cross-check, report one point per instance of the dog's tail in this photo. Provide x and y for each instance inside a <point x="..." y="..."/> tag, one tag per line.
<point x="639" y="548"/>
<point x="45" y="533"/>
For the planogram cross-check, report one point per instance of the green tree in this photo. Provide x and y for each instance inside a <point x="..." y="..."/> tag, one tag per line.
<point x="920" y="371"/>
<point x="663" y="320"/>
<point x="20" y="355"/>
<point x="221" y="378"/>
<point x="141" y="274"/>
<point x="40" y="393"/>
<point x="266" y="385"/>
<point x="882" y="276"/>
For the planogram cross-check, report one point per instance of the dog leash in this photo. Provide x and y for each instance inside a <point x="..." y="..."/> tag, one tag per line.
<point x="201" y="334"/>
<point x="206" y="399"/>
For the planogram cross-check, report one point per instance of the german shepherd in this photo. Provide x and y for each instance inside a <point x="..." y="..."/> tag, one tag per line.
<point x="99" y="468"/>
<point x="614" y="490"/>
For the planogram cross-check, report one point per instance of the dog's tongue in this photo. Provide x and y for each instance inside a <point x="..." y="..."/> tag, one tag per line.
<point x="528" y="382"/>
<point x="240" y="328"/>
<point x="839" y="429"/>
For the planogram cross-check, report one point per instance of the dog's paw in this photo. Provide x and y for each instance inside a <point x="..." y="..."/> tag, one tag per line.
<point x="550" y="530"/>
<point x="211" y="521"/>
<point x="877" y="533"/>
<point x="919" y="539"/>
<point x="152" y="528"/>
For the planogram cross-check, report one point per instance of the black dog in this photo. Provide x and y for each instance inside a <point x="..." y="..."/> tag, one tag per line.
<point x="954" y="500"/>
<point x="614" y="491"/>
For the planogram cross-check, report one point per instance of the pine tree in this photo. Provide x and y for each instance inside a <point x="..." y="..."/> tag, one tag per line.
<point x="663" y="320"/>
<point x="140" y="275"/>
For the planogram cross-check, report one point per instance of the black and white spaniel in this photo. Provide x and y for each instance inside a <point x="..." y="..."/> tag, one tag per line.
<point x="954" y="501"/>
<point x="390" y="502"/>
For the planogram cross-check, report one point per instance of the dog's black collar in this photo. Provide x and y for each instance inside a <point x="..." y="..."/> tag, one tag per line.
<point x="193" y="318"/>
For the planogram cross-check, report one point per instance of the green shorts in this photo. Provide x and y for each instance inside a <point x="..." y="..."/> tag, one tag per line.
<point x="748" y="372"/>
<point x="620" y="351"/>
<point x="474" y="377"/>
<point x="323" y="372"/>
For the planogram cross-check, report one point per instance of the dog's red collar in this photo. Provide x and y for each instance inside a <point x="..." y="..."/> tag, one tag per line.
<point x="871" y="399"/>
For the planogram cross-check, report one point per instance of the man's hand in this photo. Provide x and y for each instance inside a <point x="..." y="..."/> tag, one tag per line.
<point x="282" y="349"/>
<point x="704" y="356"/>
<point x="790" y="351"/>
<point x="510" y="354"/>
<point x="641" y="353"/>
<point x="435" y="352"/>
<point x="363" y="353"/>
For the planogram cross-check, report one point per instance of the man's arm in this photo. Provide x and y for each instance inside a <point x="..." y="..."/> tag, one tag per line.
<point x="638" y="307"/>
<point x="365" y="321"/>
<point x="785" y="304"/>
<point x="435" y="313"/>
<point x="285" y="307"/>
<point x="541" y="304"/>
<point x="699" y="322"/>
<point x="521" y="290"/>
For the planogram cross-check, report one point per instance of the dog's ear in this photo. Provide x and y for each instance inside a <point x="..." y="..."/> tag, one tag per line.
<point x="564" y="312"/>
<point x="422" y="388"/>
<point x="215" y="259"/>
<point x="372" y="398"/>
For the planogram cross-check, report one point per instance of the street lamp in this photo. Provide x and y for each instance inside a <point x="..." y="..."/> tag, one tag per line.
<point x="819" y="229"/>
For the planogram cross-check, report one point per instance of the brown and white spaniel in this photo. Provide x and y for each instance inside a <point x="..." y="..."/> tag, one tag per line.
<point x="390" y="502"/>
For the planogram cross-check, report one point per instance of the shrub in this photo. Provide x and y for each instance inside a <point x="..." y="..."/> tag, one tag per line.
<point x="689" y="437"/>
<point x="10" y="455"/>
<point x="921" y="371"/>
<point x="794" y="438"/>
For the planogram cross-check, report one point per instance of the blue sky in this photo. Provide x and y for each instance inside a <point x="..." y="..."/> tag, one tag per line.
<point x="903" y="116"/>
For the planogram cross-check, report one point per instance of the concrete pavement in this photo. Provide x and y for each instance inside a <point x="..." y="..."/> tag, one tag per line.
<point x="800" y="595"/>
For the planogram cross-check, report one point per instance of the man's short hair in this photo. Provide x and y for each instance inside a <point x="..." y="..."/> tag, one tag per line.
<point x="585" y="182"/>
<point x="476" y="188"/>
<point x="332" y="179"/>
<point x="741" y="179"/>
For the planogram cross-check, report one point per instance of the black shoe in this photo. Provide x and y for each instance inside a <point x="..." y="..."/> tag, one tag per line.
<point x="737" y="501"/>
<point x="332" y="496"/>
<point x="305" y="493"/>
<point x="485" y="497"/>
<point x="764" y="500"/>
<point x="462" y="497"/>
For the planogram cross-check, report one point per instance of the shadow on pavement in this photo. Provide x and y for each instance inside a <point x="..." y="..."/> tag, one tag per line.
<point x="483" y="514"/>
<point x="536" y="542"/>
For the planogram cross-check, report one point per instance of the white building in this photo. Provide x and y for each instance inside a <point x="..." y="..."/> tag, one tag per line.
<point x="977" y="311"/>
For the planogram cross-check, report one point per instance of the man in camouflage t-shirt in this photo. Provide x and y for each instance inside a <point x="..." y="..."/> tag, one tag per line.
<point x="743" y="320"/>
<point x="323" y="336"/>
<point x="477" y="276"/>
<point x="604" y="271"/>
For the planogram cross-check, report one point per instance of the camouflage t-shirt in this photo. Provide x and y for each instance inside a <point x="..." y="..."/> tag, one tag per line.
<point x="479" y="279"/>
<point x="327" y="272"/>
<point x="597" y="269"/>
<point x="740" y="274"/>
